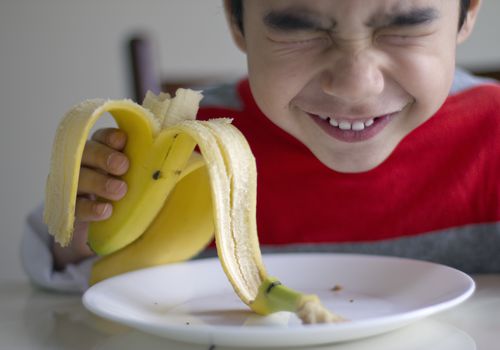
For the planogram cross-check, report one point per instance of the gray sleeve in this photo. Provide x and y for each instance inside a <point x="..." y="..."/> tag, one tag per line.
<point x="222" y="95"/>
<point x="464" y="80"/>
<point x="37" y="259"/>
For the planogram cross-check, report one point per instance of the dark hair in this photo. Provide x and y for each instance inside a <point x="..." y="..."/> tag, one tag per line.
<point x="464" y="6"/>
<point x="237" y="12"/>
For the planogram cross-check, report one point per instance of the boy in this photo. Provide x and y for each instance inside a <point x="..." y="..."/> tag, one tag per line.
<point x="360" y="145"/>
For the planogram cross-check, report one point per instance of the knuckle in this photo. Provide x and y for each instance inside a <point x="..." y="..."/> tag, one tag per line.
<point x="91" y="182"/>
<point x="100" y="155"/>
<point x="116" y="139"/>
<point x="111" y="137"/>
<point x="101" y="135"/>
<point x="105" y="186"/>
<point x="93" y="154"/>
<point x="82" y="209"/>
<point x="95" y="183"/>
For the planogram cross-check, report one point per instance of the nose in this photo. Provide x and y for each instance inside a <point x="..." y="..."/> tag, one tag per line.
<point x="352" y="77"/>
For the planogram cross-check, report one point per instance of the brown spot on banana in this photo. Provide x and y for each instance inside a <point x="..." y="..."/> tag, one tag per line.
<point x="156" y="175"/>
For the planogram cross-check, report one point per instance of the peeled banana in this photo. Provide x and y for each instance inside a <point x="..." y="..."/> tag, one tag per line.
<point x="176" y="197"/>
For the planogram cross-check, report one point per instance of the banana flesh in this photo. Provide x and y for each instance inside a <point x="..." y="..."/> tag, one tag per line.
<point x="177" y="198"/>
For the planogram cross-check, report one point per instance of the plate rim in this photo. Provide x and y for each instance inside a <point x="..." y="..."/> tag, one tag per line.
<point x="390" y="322"/>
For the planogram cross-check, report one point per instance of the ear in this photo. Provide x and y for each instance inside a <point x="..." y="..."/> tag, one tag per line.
<point x="470" y="20"/>
<point x="236" y="33"/>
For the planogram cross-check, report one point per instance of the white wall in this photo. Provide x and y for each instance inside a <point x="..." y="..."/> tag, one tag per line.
<point x="55" y="53"/>
<point x="482" y="50"/>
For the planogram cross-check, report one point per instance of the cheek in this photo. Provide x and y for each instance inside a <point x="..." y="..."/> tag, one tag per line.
<point x="281" y="70"/>
<point x="276" y="81"/>
<point x="427" y="78"/>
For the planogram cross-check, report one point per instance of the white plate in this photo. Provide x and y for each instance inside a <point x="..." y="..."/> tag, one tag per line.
<point x="194" y="302"/>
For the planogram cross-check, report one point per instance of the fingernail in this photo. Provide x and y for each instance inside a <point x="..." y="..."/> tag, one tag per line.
<point x="117" y="162"/>
<point x="115" y="186"/>
<point x="102" y="209"/>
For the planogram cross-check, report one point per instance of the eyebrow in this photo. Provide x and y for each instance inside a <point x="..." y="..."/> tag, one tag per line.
<point x="293" y="20"/>
<point x="412" y="17"/>
<point x="297" y="19"/>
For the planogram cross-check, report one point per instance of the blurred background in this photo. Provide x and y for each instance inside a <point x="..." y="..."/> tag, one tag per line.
<point x="56" y="53"/>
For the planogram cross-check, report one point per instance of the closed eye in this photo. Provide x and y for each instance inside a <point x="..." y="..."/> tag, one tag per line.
<point x="291" y="21"/>
<point x="298" y="40"/>
<point x="402" y="39"/>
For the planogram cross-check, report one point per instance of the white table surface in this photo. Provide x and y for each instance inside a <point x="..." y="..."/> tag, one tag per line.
<point x="35" y="319"/>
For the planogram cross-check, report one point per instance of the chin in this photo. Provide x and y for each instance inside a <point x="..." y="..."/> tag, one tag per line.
<point x="355" y="162"/>
<point x="355" y="168"/>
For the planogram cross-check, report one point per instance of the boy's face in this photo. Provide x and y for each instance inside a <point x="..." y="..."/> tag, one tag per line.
<point x="350" y="78"/>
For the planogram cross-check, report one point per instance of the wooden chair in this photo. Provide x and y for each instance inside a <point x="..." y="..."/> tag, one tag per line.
<point x="146" y="73"/>
<point x="495" y="74"/>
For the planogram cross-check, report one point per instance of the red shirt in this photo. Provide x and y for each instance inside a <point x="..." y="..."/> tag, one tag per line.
<point x="444" y="174"/>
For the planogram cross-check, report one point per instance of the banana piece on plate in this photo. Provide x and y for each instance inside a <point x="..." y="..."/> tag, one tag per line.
<point x="177" y="198"/>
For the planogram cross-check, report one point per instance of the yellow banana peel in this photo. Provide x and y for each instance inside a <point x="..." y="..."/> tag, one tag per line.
<point x="177" y="198"/>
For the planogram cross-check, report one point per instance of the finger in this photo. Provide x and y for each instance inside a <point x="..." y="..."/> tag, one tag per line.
<point x="87" y="210"/>
<point x="94" y="183"/>
<point x="99" y="156"/>
<point x="80" y="238"/>
<point x="112" y="137"/>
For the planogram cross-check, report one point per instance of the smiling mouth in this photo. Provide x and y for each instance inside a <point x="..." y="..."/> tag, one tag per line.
<point x="353" y="130"/>
<point x="354" y="125"/>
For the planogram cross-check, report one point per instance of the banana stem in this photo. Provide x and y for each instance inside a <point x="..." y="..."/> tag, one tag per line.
<point x="274" y="296"/>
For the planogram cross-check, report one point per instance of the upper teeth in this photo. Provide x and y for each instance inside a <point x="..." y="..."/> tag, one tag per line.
<point x="347" y="125"/>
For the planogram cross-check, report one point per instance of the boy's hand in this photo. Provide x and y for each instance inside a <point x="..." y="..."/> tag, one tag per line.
<point x="102" y="161"/>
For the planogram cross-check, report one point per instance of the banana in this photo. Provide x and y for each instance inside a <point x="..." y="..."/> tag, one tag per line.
<point x="182" y="228"/>
<point x="155" y="153"/>
<point x="177" y="198"/>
